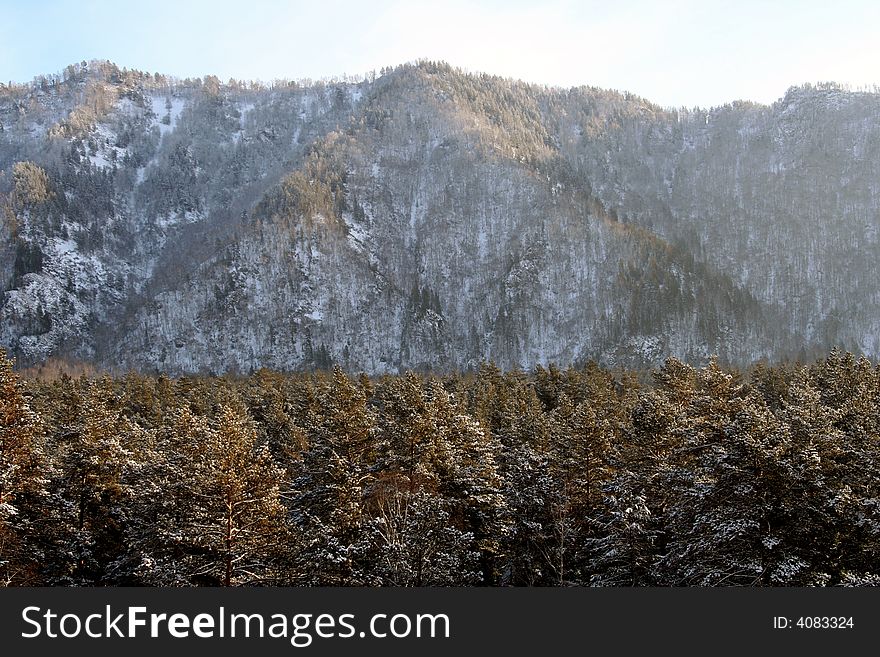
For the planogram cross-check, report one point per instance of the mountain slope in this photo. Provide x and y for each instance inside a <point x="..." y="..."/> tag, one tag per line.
<point x="428" y="218"/>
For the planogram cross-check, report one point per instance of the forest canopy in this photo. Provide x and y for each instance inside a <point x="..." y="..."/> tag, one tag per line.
<point x="558" y="477"/>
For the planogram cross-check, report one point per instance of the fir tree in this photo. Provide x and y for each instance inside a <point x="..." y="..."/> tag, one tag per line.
<point x="23" y="479"/>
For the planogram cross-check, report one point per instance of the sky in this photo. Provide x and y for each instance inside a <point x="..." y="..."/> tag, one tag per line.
<point x="677" y="53"/>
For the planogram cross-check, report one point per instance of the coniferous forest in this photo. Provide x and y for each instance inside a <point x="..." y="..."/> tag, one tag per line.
<point x="423" y="217"/>
<point x="683" y="476"/>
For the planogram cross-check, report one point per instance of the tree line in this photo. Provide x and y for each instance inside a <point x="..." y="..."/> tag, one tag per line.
<point x="555" y="477"/>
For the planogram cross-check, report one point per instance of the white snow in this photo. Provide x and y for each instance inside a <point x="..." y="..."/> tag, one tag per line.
<point x="482" y="243"/>
<point x="105" y="139"/>
<point x="244" y="109"/>
<point x="357" y="235"/>
<point x="159" y="106"/>
<point x="64" y="246"/>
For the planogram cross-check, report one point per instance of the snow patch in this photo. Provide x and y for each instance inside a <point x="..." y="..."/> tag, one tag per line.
<point x="63" y="246"/>
<point x="162" y="110"/>
<point x="106" y="153"/>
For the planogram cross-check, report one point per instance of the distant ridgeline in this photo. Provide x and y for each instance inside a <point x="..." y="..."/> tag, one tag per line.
<point x="702" y="477"/>
<point x="425" y="218"/>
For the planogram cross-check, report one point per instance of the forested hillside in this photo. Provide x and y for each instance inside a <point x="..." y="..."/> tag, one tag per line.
<point x="558" y="477"/>
<point x="426" y="218"/>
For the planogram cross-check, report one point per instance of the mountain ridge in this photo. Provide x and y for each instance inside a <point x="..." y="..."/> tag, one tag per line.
<point x="428" y="218"/>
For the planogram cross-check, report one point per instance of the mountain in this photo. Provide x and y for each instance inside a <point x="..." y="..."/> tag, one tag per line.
<point x="429" y="218"/>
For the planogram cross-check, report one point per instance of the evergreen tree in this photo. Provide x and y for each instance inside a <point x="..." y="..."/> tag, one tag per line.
<point x="228" y="522"/>
<point x="624" y="550"/>
<point x="557" y="478"/>
<point x="466" y="466"/>
<point x="93" y="490"/>
<point x="23" y="479"/>
<point x="416" y="543"/>
<point x="327" y="502"/>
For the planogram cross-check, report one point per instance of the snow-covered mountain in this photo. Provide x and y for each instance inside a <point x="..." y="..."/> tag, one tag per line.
<point x="426" y="217"/>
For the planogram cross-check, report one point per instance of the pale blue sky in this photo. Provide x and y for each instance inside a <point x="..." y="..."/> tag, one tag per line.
<point x="677" y="52"/>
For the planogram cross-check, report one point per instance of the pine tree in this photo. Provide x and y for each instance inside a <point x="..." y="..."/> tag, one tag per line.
<point x="624" y="550"/>
<point x="720" y="523"/>
<point x="335" y="473"/>
<point x="529" y="494"/>
<point x="23" y="470"/>
<point x="228" y="521"/>
<point x="466" y="466"/>
<point x="411" y="442"/>
<point x="580" y="445"/>
<point x="416" y="542"/>
<point x="814" y="493"/>
<point x="158" y="540"/>
<point x="93" y="455"/>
